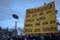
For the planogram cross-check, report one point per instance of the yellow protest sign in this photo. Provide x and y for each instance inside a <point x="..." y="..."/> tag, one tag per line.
<point x="41" y="20"/>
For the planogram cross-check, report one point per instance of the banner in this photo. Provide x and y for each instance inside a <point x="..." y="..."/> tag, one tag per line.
<point x="41" y="20"/>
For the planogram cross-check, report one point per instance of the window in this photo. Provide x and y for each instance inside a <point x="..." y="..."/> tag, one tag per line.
<point x="27" y="15"/>
<point x="45" y="23"/>
<point x="34" y="15"/>
<point x="38" y="24"/>
<point x="41" y="18"/>
<point x="49" y="11"/>
<point x="28" y="25"/>
<point x="33" y="10"/>
<point x="51" y="22"/>
<point x="41" y="13"/>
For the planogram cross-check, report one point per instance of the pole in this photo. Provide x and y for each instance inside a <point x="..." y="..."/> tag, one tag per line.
<point x="15" y="27"/>
<point x="15" y="24"/>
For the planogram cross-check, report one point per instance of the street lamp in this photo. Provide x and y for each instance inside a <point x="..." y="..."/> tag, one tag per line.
<point x="15" y="17"/>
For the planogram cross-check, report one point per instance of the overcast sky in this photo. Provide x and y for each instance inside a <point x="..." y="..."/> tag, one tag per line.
<point x="9" y="7"/>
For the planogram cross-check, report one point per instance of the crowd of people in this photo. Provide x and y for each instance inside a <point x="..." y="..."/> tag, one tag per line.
<point x="10" y="35"/>
<point x="55" y="36"/>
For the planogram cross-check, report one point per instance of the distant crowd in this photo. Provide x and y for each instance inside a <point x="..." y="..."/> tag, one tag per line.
<point x="55" y="36"/>
<point x="10" y="35"/>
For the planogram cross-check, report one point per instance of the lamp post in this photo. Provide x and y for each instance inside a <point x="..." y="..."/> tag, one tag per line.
<point x="15" y="17"/>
